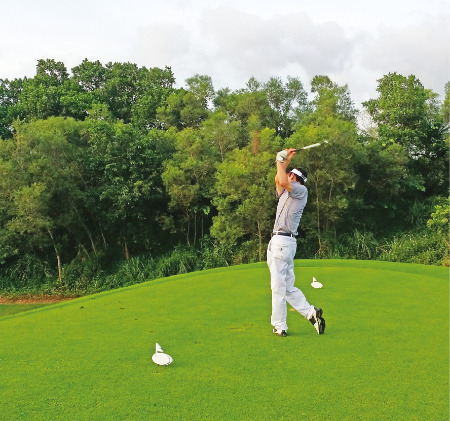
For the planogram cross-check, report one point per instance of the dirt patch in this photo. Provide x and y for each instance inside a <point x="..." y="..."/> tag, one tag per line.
<point x="33" y="299"/>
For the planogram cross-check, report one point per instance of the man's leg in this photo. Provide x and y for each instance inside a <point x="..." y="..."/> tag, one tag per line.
<point x="298" y="301"/>
<point x="295" y="296"/>
<point x="278" y="269"/>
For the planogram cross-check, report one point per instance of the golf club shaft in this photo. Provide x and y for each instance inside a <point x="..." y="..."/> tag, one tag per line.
<point x="309" y="146"/>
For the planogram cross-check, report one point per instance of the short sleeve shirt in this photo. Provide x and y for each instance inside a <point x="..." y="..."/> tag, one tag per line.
<point x="290" y="209"/>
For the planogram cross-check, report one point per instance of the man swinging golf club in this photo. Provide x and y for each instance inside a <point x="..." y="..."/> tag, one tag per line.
<point x="293" y="196"/>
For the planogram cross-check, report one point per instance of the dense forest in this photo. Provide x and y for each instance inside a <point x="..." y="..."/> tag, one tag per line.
<point x="111" y="175"/>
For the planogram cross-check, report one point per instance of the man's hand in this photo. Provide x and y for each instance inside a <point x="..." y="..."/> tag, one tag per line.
<point x="286" y="155"/>
<point x="291" y="153"/>
<point x="282" y="156"/>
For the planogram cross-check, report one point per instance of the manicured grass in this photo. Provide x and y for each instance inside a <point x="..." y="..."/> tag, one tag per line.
<point x="384" y="354"/>
<point x="9" y="309"/>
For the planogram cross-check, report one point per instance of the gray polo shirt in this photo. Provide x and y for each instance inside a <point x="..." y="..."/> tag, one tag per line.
<point x="290" y="209"/>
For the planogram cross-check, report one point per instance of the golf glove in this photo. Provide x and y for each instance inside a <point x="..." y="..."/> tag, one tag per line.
<point x="281" y="156"/>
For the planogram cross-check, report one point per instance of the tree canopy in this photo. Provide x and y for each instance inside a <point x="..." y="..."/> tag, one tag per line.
<point x="111" y="161"/>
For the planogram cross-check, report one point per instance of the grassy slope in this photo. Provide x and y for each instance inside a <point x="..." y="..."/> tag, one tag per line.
<point x="9" y="309"/>
<point x="384" y="355"/>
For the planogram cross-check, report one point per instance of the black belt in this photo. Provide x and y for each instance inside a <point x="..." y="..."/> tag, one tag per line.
<point x="286" y="234"/>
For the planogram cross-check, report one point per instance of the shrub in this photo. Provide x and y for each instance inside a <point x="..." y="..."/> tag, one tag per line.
<point x="181" y="260"/>
<point x="360" y="245"/>
<point x="27" y="273"/>
<point x="213" y="255"/>
<point x="356" y="245"/>
<point x="423" y="247"/>
<point x="248" y="252"/>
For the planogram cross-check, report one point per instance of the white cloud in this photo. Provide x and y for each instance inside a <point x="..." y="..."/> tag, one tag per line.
<point x="421" y="49"/>
<point x="232" y="46"/>
<point x="162" y="45"/>
<point x="231" y="40"/>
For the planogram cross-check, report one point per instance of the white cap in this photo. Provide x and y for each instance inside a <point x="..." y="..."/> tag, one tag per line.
<point x="299" y="173"/>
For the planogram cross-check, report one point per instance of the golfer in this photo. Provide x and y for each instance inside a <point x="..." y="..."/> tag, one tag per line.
<point x="293" y="196"/>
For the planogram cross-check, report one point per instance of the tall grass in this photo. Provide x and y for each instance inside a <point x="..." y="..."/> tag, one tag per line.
<point x="425" y="248"/>
<point x="31" y="276"/>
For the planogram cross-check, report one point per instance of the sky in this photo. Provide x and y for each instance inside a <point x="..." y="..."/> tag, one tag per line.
<point x="353" y="42"/>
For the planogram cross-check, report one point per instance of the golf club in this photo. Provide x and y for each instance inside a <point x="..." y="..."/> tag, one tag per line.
<point x="310" y="146"/>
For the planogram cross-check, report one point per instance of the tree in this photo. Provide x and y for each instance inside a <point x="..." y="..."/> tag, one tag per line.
<point x="331" y="167"/>
<point x="221" y="134"/>
<point x="288" y="102"/>
<point x="276" y="104"/>
<point x="445" y="115"/>
<point x="244" y="194"/>
<point x="169" y="113"/>
<point x="406" y="113"/>
<point x="42" y="188"/>
<point x="125" y="190"/>
<point x="123" y="88"/>
<point x="90" y="76"/>
<point x="332" y="99"/>
<point x="244" y="104"/>
<point x="188" y="178"/>
<point x="9" y="97"/>
<point x="32" y="217"/>
<point x="381" y="190"/>
<point x="331" y="175"/>
<point x="158" y="85"/>
<point x="187" y="107"/>
<point x="439" y="219"/>
<point x="40" y="97"/>
<point x="445" y="110"/>
<point x="75" y="102"/>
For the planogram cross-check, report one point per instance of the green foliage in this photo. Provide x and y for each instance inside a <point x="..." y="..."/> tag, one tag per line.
<point x="144" y="268"/>
<point x="439" y="220"/>
<point x="128" y="92"/>
<point x="356" y="245"/>
<point x="408" y="114"/>
<point x="331" y="99"/>
<point x="287" y="103"/>
<point x="214" y="255"/>
<point x="42" y="188"/>
<point x="40" y="97"/>
<point x="126" y="193"/>
<point x="419" y="247"/>
<point x="382" y="187"/>
<point x="445" y="108"/>
<point x="244" y="193"/>
<point x="9" y="97"/>
<point x="29" y="274"/>
<point x="109" y="164"/>
<point x="188" y="181"/>
<point x="187" y="107"/>
<point x="332" y="168"/>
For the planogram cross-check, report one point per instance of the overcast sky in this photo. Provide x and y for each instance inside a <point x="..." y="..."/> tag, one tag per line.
<point x="354" y="42"/>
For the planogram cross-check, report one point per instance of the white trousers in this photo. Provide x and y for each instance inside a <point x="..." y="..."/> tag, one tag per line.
<point x="280" y="259"/>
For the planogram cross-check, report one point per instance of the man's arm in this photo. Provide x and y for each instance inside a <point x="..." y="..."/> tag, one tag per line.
<point x="281" y="179"/>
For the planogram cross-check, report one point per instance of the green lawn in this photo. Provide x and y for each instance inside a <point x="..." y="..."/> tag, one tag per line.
<point x="8" y="309"/>
<point x="384" y="354"/>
